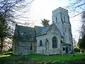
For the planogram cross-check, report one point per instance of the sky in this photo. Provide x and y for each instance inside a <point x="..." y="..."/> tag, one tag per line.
<point x="41" y="9"/>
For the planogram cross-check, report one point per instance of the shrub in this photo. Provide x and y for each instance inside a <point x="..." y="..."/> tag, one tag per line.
<point x="76" y="50"/>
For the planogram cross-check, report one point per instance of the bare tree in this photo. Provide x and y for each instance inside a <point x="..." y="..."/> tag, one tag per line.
<point x="83" y="24"/>
<point x="76" y="7"/>
<point x="81" y="42"/>
<point x="13" y="10"/>
<point x="6" y="6"/>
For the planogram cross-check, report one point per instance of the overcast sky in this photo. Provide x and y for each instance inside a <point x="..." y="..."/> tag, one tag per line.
<point x="41" y="9"/>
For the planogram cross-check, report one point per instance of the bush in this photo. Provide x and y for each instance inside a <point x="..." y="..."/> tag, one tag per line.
<point x="10" y="49"/>
<point x="76" y="50"/>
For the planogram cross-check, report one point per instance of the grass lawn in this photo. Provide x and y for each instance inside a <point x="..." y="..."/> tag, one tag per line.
<point x="37" y="57"/>
<point x="65" y="57"/>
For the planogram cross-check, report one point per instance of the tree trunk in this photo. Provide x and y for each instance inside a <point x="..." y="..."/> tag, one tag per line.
<point x="1" y="45"/>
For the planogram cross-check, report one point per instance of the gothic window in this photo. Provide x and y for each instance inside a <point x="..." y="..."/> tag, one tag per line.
<point x="40" y="43"/>
<point x="31" y="47"/>
<point x="63" y="33"/>
<point x="54" y="42"/>
<point x="46" y="42"/>
<point x="68" y="18"/>
<point x="64" y="19"/>
<point x="56" y="19"/>
<point x="61" y="41"/>
<point x="65" y="30"/>
<point x="61" y="17"/>
<point x="63" y="49"/>
<point x="53" y="22"/>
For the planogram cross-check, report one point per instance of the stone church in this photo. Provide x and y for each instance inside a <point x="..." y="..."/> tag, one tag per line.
<point x="53" y="39"/>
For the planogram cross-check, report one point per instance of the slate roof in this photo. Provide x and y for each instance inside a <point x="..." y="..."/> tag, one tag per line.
<point x="41" y="30"/>
<point x="24" y="32"/>
<point x="31" y="33"/>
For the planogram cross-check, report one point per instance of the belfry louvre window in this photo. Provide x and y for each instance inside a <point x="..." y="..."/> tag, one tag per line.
<point x="54" y="42"/>
<point x="40" y="43"/>
<point x="56" y="19"/>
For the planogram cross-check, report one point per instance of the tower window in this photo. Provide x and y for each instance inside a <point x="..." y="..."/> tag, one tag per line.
<point x="64" y="19"/>
<point x="65" y="30"/>
<point x="53" y="22"/>
<point x="61" y="17"/>
<point x="56" y="19"/>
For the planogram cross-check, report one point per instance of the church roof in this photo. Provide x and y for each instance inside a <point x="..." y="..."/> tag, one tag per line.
<point x="41" y="30"/>
<point x="30" y="33"/>
<point x="25" y="32"/>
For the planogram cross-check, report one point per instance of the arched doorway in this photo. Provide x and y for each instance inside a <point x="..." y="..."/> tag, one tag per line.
<point x="67" y="50"/>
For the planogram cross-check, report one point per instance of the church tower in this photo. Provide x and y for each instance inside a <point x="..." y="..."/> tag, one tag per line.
<point x="60" y="18"/>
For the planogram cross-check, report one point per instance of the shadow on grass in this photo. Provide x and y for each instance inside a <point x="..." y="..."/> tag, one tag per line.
<point x="14" y="60"/>
<point x="9" y="58"/>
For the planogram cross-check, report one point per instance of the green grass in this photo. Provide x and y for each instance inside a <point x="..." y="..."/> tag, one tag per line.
<point x="65" y="57"/>
<point x="37" y="57"/>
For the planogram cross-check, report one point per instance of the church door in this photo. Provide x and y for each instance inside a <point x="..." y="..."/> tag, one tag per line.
<point x="67" y="50"/>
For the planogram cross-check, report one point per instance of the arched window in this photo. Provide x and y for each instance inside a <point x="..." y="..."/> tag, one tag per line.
<point x="54" y="42"/>
<point x="53" y="22"/>
<point x="61" y="41"/>
<point x="46" y="42"/>
<point x="40" y="43"/>
<point x="56" y="19"/>
<point x="31" y="46"/>
<point x="63" y="49"/>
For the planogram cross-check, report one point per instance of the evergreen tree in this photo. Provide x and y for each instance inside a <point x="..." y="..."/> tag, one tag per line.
<point x="45" y="22"/>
